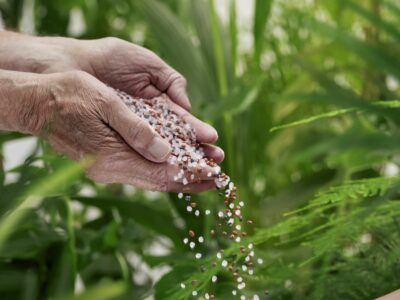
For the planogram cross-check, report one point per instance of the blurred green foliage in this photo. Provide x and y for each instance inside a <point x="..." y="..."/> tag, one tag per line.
<point x="326" y="63"/>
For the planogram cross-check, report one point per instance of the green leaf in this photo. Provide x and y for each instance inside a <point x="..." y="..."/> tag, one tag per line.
<point x="34" y="196"/>
<point x="145" y="215"/>
<point x="262" y="10"/>
<point x="218" y="49"/>
<point x="103" y="291"/>
<point x="177" y="47"/>
<point x="233" y="34"/>
<point x="377" y="21"/>
<point x="64" y="272"/>
<point x="374" y="55"/>
<point x="335" y="113"/>
<point x="308" y="120"/>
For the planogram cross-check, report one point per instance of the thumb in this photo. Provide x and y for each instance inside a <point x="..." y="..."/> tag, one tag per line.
<point x="138" y="133"/>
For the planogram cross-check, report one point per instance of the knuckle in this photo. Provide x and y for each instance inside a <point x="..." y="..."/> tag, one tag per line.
<point x="174" y="78"/>
<point x="78" y="77"/>
<point x="77" y="74"/>
<point x="182" y="81"/>
<point x="141" y="133"/>
<point x="108" y="107"/>
<point x="111" y="41"/>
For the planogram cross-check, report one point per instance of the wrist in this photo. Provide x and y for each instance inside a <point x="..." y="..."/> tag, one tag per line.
<point x="25" y="101"/>
<point x="19" y="52"/>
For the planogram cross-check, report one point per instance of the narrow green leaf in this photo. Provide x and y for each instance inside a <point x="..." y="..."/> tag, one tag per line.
<point x="371" y="54"/>
<point x="34" y="196"/>
<point x="262" y="10"/>
<point x="308" y="120"/>
<point x="177" y="48"/>
<point x="104" y="291"/>
<point x="336" y="113"/>
<point x="65" y="270"/>
<point x="377" y="21"/>
<point x="233" y="33"/>
<point x="218" y="49"/>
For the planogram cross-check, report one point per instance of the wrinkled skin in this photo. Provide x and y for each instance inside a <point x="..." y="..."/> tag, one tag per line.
<point x="81" y="117"/>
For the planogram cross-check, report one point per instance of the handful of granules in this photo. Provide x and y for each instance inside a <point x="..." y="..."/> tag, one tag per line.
<point x="188" y="155"/>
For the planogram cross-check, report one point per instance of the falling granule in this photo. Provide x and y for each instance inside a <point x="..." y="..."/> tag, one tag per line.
<point x="241" y="286"/>
<point x="214" y="278"/>
<point x="190" y="158"/>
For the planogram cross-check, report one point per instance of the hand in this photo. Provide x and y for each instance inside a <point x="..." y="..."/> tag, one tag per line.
<point x="81" y="117"/>
<point x="392" y="296"/>
<point x="120" y="64"/>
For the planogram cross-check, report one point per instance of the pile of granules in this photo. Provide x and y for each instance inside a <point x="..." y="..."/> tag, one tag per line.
<point x="188" y="155"/>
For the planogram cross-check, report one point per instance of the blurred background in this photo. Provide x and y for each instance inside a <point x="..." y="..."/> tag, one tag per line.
<point x="322" y="186"/>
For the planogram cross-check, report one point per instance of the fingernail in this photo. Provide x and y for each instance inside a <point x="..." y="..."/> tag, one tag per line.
<point x="213" y="133"/>
<point x="159" y="149"/>
<point x="221" y="152"/>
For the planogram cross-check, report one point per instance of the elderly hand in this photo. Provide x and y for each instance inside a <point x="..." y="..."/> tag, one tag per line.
<point x="122" y="65"/>
<point x="81" y="117"/>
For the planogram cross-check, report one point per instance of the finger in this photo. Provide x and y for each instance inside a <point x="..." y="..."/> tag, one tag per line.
<point x="137" y="133"/>
<point x="189" y="175"/>
<point x="174" y="85"/>
<point x="205" y="133"/>
<point x="148" y="92"/>
<point x="118" y="164"/>
<point x="191" y="188"/>
<point x="214" y="152"/>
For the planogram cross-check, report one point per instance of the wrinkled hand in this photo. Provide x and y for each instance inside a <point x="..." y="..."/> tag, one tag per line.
<point x="83" y="118"/>
<point x="141" y="73"/>
<point x="122" y="65"/>
<point x="135" y="70"/>
<point x="87" y="118"/>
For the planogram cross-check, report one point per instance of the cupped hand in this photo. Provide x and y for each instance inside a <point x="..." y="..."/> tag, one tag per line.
<point x="141" y="73"/>
<point x="120" y="64"/>
<point x="86" y="119"/>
